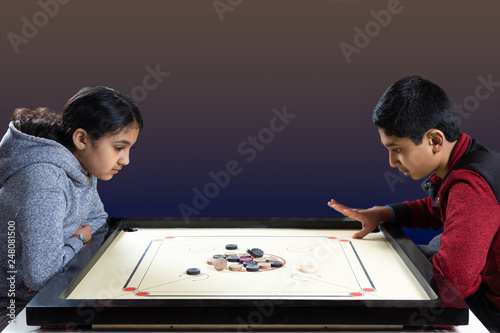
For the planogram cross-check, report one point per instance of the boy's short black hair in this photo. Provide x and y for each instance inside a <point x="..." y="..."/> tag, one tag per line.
<point x="412" y="106"/>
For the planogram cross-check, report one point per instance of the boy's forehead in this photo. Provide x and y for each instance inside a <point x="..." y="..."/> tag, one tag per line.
<point x="391" y="140"/>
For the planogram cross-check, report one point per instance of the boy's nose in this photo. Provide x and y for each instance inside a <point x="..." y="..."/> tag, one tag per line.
<point x="393" y="160"/>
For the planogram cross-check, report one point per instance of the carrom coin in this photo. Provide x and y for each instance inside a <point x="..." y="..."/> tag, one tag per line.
<point x="308" y="269"/>
<point x="276" y="263"/>
<point x="220" y="264"/>
<point x="264" y="265"/>
<point x="235" y="267"/>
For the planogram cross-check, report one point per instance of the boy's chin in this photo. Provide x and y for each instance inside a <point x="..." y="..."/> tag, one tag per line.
<point x="417" y="177"/>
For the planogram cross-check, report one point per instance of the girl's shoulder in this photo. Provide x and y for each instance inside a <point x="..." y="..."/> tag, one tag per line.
<point x="38" y="160"/>
<point x="39" y="176"/>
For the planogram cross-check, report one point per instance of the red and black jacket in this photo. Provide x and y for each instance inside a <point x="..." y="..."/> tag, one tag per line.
<point x="467" y="204"/>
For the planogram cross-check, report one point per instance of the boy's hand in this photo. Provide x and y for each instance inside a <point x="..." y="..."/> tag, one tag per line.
<point x="369" y="218"/>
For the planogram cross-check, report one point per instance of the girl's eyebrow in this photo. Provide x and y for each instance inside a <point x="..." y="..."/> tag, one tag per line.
<point x="123" y="141"/>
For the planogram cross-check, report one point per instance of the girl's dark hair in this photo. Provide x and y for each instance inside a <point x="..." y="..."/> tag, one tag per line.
<point x="43" y="122"/>
<point x="412" y="106"/>
<point x="98" y="110"/>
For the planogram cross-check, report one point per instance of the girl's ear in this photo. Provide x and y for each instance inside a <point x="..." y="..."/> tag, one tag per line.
<point x="80" y="139"/>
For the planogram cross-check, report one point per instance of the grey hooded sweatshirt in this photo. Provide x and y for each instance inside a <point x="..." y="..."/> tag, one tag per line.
<point x="46" y="195"/>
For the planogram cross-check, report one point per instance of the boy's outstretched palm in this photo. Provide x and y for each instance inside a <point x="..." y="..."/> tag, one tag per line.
<point x="369" y="218"/>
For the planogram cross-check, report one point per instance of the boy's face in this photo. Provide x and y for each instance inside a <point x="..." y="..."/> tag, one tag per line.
<point x="417" y="161"/>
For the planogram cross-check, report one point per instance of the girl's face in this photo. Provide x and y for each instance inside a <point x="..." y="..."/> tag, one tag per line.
<point x="109" y="155"/>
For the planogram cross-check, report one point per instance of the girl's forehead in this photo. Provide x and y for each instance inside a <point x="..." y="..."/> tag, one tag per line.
<point x="129" y="130"/>
<point x="128" y="134"/>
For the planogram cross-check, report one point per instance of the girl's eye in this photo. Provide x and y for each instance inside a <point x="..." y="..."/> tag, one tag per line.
<point x="118" y="148"/>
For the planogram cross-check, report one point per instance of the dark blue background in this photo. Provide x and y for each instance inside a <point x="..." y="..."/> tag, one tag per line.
<point x="225" y="77"/>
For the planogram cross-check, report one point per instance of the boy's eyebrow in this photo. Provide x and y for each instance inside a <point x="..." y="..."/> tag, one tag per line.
<point x="390" y="144"/>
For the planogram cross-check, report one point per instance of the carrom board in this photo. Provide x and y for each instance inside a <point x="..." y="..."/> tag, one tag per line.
<point x="152" y="263"/>
<point x="138" y="277"/>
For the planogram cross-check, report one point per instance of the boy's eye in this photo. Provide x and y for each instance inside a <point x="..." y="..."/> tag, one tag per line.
<point x="397" y="151"/>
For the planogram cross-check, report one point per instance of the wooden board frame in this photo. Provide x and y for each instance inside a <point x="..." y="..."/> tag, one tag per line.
<point x="50" y="307"/>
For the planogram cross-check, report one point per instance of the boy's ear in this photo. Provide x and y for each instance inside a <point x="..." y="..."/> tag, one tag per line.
<point x="436" y="139"/>
<point x="80" y="139"/>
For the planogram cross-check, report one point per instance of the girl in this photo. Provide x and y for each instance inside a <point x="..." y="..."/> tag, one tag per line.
<point x="49" y="166"/>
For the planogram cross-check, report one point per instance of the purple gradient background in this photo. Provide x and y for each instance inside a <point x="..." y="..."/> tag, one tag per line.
<point x="227" y="76"/>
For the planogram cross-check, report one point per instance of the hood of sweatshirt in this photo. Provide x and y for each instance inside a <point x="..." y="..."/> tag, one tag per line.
<point x="18" y="150"/>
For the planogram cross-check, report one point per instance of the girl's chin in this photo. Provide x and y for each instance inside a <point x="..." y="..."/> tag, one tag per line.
<point x="105" y="177"/>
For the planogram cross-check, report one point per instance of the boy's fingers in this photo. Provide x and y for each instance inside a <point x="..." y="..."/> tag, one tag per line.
<point x="362" y="233"/>
<point x="352" y="213"/>
<point x="349" y="212"/>
<point x="331" y="203"/>
<point x="339" y="207"/>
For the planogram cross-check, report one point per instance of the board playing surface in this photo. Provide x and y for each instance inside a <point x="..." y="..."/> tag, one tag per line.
<point x="151" y="263"/>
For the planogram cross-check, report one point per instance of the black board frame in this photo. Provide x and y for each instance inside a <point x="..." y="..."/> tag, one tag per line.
<point x="49" y="307"/>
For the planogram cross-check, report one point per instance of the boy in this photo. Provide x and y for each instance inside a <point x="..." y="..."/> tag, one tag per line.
<point x="417" y="124"/>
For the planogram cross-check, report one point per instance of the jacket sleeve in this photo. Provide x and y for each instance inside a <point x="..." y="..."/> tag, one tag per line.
<point x="45" y="249"/>
<point x="97" y="215"/>
<point x="418" y="214"/>
<point x="471" y="222"/>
